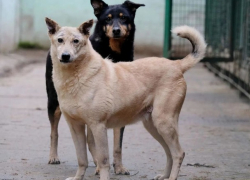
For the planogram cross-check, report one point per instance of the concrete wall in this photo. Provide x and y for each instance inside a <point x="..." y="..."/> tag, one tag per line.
<point x="149" y="20"/>
<point x="65" y="12"/>
<point x="9" y="25"/>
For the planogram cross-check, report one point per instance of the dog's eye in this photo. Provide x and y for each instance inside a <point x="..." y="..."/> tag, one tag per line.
<point x="60" y="40"/>
<point x="76" y="41"/>
<point x="123" y="18"/>
<point x="108" y="19"/>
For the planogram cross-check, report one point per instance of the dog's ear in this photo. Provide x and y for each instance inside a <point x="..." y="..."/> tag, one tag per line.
<point x="98" y="6"/>
<point x="85" y="27"/>
<point x="53" y="27"/>
<point x="132" y="6"/>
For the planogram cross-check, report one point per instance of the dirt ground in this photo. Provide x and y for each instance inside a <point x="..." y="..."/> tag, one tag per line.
<point x="214" y="132"/>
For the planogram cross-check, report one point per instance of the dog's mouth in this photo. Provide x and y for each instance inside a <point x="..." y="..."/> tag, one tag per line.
<point x="64" y="61"/>
<point x="117" y="37"/>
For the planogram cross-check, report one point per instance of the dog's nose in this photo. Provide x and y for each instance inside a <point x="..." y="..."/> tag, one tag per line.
<point x="65" y="57"/>
<point x="116" y="31"/>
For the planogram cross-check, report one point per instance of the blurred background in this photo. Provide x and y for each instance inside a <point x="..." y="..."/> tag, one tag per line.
<point x="224" y="23"/>
<point x="214" y="124"/>
<point x="22" y="21"/>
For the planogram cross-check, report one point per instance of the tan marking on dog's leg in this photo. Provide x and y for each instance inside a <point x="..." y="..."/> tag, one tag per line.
<point x="149" y="126"/>
<point x="79" y="138"/>
<point x="54" y="121"/>
<point x="91" y="145"/>
<point x="102" y="151"/>
<point x="117" y="154"/>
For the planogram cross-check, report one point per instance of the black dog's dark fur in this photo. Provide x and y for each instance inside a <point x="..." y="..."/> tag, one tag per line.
<point x="101" y="43"/>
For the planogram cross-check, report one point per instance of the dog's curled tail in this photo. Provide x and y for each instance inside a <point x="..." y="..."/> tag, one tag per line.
<point x="198" y="43"/>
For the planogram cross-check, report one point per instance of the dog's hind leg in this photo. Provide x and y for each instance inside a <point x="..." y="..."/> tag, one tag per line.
<point x="54" y="117"/>
<point x="79" y="137"/>
<point x="102" y="150"/>
<point x="148" y="124"/>
<point x="117" y="152"/>
<point x="54" y="112"/>
<point x="165" y="117"/>
<point x="170" y="135"/>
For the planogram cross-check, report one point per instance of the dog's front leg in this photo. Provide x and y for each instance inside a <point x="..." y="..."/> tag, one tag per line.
<point x="92" y="148"/>
<point x="102" y="151"/>
<point x="79" y="138"/>
<point x="117" y="152"/>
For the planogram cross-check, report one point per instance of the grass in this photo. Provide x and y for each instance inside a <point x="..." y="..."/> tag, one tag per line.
<point x="29" y="45"/>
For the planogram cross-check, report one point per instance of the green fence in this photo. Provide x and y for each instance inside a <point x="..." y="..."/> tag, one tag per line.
<point x="226" y="27"/>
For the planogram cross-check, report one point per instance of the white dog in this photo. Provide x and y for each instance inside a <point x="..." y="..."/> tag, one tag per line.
<point x="96" y="92"/>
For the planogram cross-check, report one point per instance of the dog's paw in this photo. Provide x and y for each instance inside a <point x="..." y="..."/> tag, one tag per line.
<point x="70" y="178"/>
<point x="97" y="171"/>
<point x="73" y="178"/>
<point x="54" y="160"/>
<point x="160" y="177"/>
<point x="120" y="170"/>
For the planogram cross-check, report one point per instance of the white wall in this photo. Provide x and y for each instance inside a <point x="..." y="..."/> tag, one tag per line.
<point x="149" y="20"/>
<point x="9" y="25"/>
<point x="23" y="21"/>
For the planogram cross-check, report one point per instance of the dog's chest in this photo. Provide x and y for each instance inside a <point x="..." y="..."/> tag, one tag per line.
<point x="73" y="103"/>
<point x="68" y="90"/>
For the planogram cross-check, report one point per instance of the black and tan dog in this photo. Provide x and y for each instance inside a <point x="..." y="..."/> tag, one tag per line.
<point x="96" y="92"/>
<point x="113" y="37"/>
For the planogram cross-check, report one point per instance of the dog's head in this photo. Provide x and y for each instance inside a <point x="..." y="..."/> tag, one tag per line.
<point x="117" y="20"/>
<point x="68" y="43"/>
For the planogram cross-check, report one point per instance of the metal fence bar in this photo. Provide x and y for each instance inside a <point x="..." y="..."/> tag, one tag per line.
<point x="167" y="35"/>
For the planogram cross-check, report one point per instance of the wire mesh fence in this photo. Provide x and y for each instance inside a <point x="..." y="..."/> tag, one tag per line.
<point x="232" y="40"/>
<point x="226" y="27"/>
<point x="218" y="30"/>
<point x="186" y="12"/>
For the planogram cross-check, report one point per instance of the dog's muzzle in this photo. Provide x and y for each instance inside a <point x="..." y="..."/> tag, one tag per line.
<point x="116" y="32"/>
<point x="65" y="58"/>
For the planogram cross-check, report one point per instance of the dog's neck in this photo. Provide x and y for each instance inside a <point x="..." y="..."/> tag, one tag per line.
<point x="116" y="44"/>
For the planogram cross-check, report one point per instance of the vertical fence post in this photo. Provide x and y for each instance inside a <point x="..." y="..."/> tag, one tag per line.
<point x="167" y="32"/>
<point x="232" y="33"/>
<point x="206" y="20"/>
